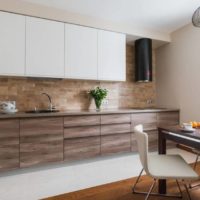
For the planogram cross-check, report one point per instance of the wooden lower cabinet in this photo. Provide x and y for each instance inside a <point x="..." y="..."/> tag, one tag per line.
<point x="118" y="143"/>
<point x="9" y="144"/>
<point x="81" y="148"/>
<point x="41" y="141"/>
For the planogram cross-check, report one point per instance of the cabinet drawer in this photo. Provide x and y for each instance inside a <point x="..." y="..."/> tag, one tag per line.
<point x="115" y="129"/>
<point x="35" y="153"/>
<point x="148" y="120"/>
<point x="9" y="144"/>
<point x="119" y="143"/>
<point x="71" y="121"/>
<point x="115" y="119"/>
<point x="168" y="118"/>
<point x="41" y="141"/>
<point x="153" y="140"/>
<point x="81" y="148"/>
<point x="134" y="147"/>
<point x="76" y="132"/>
<point x="42" y="126"/>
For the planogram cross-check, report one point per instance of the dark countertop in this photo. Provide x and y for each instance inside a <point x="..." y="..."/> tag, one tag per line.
<point x="86" y="112"/>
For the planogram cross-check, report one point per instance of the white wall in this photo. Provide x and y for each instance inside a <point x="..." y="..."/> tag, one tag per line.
<point x="178" y="73"/>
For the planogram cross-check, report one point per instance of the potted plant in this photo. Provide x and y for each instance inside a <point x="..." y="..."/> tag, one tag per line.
<point x="99" y="95"/>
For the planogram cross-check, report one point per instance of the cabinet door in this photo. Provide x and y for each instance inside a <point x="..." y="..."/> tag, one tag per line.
<point x="83" y="120"/>
<point x="41" y="141"/>
<point x="111" y="56"/>
<point x="9" y="144"/>
<point x="81" y="148"/>
<point x="80" y="52"/>
<point x="148" y="120"/>
<point x="116" y="119"/>
<point x="12" y="44"/>
<point x="44" y="48"/>
<point x="119" y="143"/>
<point x="112" y="129"/>
<point x="168" y="118"/>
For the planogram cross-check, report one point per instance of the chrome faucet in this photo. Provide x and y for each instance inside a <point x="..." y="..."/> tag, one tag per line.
<point x="51" y="107"/>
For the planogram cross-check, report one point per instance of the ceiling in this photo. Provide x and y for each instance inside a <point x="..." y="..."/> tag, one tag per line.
<point x="164" y="16"/>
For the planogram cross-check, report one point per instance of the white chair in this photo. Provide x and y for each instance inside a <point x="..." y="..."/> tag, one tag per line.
<point x="161" y="166"/>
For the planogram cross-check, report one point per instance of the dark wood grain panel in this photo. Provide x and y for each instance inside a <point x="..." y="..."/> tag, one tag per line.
<point x="81" y="120"/>
<point x="9" y="144"/>
<point x="84" y="131"/>
<point x="119" y="143"/>
<point x="81" y="148"/>
<point x="115" y="129"/>
<point x="115" y="119"/>
<point x="41" y="141"/>
<point x="148" y="120"/>
<point x="168" y="118"/>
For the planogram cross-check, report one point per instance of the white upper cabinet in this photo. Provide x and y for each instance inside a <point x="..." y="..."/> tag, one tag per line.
<point x="35" y="47"/>
<point x="44" y="48"/>
<point x="12" y="44"/>
<point x="111" y="56"/>
<point x="80" y="52"/>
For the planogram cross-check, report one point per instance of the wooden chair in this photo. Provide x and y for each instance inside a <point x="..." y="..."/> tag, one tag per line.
<point x="161" y="166"/>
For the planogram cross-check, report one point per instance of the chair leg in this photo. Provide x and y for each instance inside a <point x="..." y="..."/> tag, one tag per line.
<point x="179" y="187"/>
<point x="194" y="167"/>
<point x="187" y="191"/>
<point x="154" y="194"/>
<point x="137" y="180"/>
<point x="195" y="164"/>
<point x="150" y="190"/>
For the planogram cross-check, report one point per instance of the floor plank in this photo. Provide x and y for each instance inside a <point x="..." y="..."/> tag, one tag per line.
<point x="121" y="190"/>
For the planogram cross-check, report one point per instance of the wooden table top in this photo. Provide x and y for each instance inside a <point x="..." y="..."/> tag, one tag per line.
<point x="177" y="129"/>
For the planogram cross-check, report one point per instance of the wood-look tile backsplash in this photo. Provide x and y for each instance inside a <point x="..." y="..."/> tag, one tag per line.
<point x="72" y="94"/>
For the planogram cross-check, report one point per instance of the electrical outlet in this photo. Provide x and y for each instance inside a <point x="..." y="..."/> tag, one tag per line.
<point x="105" y="102"/>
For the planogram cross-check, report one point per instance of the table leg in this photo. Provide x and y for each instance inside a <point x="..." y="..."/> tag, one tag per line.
<point x="161" y="150"/>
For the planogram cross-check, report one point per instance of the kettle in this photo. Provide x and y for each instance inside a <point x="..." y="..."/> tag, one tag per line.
<point x="7" y="105"/>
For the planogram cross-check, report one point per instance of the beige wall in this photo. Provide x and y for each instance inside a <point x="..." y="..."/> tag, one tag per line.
<point x="178" y="73"/>
<point x="72" y="94"/>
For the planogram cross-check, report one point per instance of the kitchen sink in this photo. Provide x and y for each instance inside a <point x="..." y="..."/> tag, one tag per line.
<point x="42" y="111"/>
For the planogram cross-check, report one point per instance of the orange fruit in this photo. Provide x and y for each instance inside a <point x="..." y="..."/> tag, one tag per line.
<point x="194" y="124"/>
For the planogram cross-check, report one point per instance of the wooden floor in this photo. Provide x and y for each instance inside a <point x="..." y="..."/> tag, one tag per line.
<point x="121" y="190"/>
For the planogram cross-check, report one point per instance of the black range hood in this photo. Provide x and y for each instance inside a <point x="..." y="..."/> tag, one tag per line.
<point x="143" y="60"/>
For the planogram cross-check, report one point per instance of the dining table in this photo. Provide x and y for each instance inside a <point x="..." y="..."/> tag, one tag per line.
<point x="179" y="136"/>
